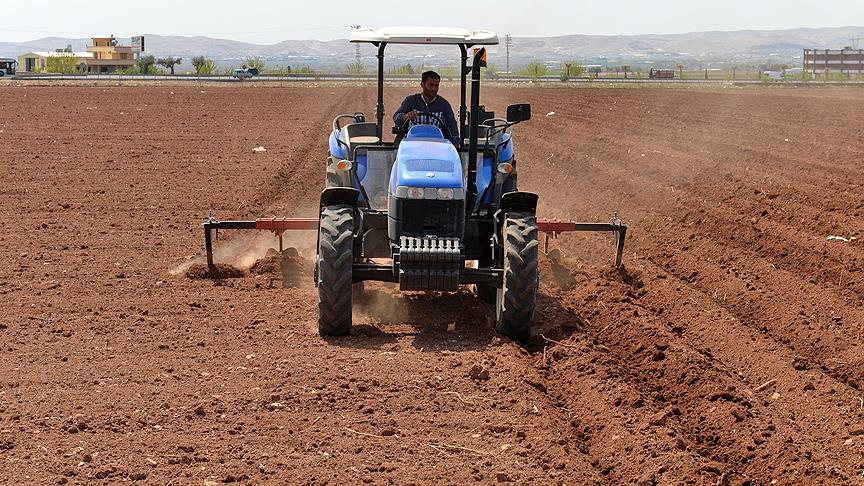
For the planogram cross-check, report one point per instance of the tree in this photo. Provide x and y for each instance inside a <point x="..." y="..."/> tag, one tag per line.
<point x="147" y="64"/>
<point x="355" y="68"/>
<point x="491" y="71"/>
<point x="203" y="65"/>
<point x="625" y="68"/>
<point x="571" y="68"/>
<point x="169" y="62"/>
<point x="61" y="62"/>
<point x="680" y="71"/>
<point x="403" y="69"/>
<point x="535" y="70"/>
<point x="445" y="71"/>
<point x="255" y="63"/>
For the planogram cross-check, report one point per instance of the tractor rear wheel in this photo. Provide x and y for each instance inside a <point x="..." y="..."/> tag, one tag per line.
<point x="517" y="297"/>
<point x="334" y="268"/>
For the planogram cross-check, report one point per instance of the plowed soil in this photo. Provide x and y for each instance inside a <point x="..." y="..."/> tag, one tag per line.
<point x="728" y="351"/>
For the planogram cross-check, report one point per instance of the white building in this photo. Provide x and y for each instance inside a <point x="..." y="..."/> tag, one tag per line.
<point x="38" y="61"/>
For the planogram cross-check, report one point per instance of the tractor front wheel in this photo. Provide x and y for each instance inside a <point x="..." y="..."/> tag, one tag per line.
<point x="334" y="268"/>
<point x="516" y="299"/>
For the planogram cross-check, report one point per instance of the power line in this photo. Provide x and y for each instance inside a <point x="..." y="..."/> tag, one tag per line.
<point x="186" y="34"/>
<point x="507" y="43"/>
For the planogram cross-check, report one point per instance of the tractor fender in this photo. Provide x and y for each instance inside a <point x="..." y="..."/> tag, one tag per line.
<point x="521" y="201"/>
<point x="517" y="201"/>
<point x="340" y="195"/>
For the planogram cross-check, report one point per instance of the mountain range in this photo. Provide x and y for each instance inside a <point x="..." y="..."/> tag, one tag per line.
<point x="705" y="49"/>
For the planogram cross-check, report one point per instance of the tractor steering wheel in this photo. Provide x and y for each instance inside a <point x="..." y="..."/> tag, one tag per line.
<point x="403" y="130"/>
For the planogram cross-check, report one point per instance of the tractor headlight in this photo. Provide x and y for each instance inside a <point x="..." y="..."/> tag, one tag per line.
<point x="433" y="193"/>
<point x="445" y="193"/>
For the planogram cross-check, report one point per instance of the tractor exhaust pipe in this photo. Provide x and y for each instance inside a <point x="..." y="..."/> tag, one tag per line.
<point x="473" y="127"/>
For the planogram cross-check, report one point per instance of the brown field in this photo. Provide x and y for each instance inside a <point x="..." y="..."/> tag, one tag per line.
<point x="728" y="352"/>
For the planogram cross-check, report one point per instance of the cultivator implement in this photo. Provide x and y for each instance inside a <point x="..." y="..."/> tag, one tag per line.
<point x="276" y="225"/>
<point x="551" y="228"/>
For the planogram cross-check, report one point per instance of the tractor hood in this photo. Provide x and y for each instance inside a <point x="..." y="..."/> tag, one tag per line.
<point x="426" y="159"/>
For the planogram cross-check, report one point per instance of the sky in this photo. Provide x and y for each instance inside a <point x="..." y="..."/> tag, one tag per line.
<point x="272" y="21"/>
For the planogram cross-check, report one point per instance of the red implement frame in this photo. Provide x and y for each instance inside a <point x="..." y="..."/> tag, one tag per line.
<point x="278" y="226"/>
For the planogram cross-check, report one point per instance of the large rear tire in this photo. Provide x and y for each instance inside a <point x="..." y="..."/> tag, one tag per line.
<point x="334" y="268"/>
<point x="516" y="299"/>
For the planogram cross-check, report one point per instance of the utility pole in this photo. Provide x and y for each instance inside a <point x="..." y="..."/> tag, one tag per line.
<point x="357" y="45"/>
<point x="855" y="41"/>
<point x="508" y="41"/>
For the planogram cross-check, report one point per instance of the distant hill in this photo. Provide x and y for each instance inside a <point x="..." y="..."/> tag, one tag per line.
<point x="703" y="49"/>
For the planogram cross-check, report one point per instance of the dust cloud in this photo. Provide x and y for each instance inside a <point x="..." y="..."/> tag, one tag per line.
<point x="242" y="249"/>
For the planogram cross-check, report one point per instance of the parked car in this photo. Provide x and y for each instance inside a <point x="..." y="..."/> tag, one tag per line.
<point x="244" y="73"/>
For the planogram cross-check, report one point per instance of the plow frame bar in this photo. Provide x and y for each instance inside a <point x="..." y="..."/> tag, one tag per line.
<point x="551" y="227"/>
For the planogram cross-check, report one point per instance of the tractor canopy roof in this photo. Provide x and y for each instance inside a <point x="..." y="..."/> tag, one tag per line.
<point x="425" y="35"/>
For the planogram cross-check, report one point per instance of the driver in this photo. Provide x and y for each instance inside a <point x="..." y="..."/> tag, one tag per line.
<point x="428" y="101"/>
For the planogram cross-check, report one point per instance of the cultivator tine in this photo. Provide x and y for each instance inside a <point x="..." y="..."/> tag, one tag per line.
<point x="620" y="234"/>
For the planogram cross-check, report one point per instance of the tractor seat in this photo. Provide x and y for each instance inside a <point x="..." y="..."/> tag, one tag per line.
<point x="357" y="134"/>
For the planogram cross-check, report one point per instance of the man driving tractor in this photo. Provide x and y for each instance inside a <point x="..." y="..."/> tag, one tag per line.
<point x="414" y="107"/>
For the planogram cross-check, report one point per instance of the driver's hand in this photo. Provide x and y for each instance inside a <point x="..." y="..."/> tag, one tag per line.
<point x="411" y="116"/>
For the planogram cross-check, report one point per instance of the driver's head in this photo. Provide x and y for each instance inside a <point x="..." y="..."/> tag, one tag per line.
<point x="429" y="81"/>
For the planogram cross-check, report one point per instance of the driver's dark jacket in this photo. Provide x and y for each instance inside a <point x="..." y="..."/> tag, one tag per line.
<point x="438" y="106"/>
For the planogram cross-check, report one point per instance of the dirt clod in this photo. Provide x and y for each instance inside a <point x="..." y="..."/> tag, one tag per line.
<point x="220" y="270"/>
<point x="503" y="478"/>
<point x="648" y="479"/>
<point x="479" y="372"/>
<point x="800" y="364"/>
<point x="289" y="266"/>
<point x="658" y="419"/>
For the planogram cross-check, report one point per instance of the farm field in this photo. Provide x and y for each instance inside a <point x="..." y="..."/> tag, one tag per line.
<point x="728" y="351"/>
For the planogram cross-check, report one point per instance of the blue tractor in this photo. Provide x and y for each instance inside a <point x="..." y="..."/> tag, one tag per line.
<point x="422" y="212"/>
<point x="429" y="207"/>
